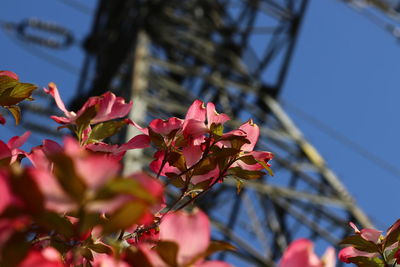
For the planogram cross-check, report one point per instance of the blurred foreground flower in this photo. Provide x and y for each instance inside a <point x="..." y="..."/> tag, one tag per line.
<point x="300" y="253"/>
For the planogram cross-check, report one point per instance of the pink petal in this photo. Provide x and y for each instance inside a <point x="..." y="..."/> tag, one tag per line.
<point x="300" y="254"/>
<point x="51" y="147"/>
<point x="72" y="147"/>
<point x="48" y="257"/>
<point x="109" y="205"/>
<point x="352" y="225"/>
<point x="110" y="107"/>
<point x="96" y="170"/>
<point x="62" y="120"/>
<point x="212" y="264"/>
<point x="9" y="74"/>
<point x="137" y="126"/>
<point x="137" y="142"/>
<point x="214" y="117"/>
<point x="190" y="231"/>
<point x="53" y="91"/>
<point x="253" y="132"/>
<point x="102" y="147"/>
<point x="55" y="197"/>
<point x="151" y="184"/>
<point x="165" y="127"/>
<point x="192" y="154"/>
<point x="194" y="128"/>
<point x="196" y="111"/>
<point x="204" y="177"/>
<point x="371" y="235"/>
<point x="258" y="155"/>
<point x="393" y="227"/>
<point x="5" y="151"/>
<point x="329" y="257"/>
<point x="346" y="253"/>
<point x="5" y="192"/>
<point x="104" y="260"/>
<point x="18" y="141"/>
<point x="156" y="164"/>
<point x="38" y="158"/>
<point x="152" y="256"/>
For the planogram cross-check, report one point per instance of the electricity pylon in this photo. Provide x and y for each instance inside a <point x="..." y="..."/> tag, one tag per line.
<point x="235" y="53"/>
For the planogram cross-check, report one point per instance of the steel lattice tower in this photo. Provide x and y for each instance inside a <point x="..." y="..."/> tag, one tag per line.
<point x="235" y="53"/>
<point x="165" y="54"/>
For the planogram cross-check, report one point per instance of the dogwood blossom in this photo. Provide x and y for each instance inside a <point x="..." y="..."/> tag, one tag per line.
<point x="300" y="254"/>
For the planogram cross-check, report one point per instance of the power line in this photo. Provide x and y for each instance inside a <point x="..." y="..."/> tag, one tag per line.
<point x="77" y="6"/>
<point x="383" y="164"/>
<point x="9" y="27"/>
<point x="391" y="28"/>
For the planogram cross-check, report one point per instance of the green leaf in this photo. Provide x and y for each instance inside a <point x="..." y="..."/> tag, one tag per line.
<point x="6" y="83"/>
<point x="60" y="245"/>
<point x="270" y="172"/>
<point x="83" y="121"/>
<point x="88" y="221"/>
<point x="125" y="186"/>
<point x="245" y="174"/>
<point x="393" y="236"/>
<point x="217" y="129"/>
<point x="389" y="254"/>
<point x="168" y="251"/>
<point x="67" y="177"/>
<point x="126" y="216"/>
<point x="225" y="152"/>
<point x="360" y="243"/>
<point x="236" y="141"/>
<point x="214" y="246"/>
<point x="367" y="262"/>
<point x="86" y="253"/>
<point x="177" y="159"/>
<point x="105" y="129"/>
<point x="205" y="166"/>
<point x="136" y="257"/>
<point x="100" y="248"/>
<point x="239" y="184"/>
<point x="12" y="91"/>
<point x="156" y="139"/>
<point x="249" y="160"/>
<point x="175" y="180"/>
<point x="53" y="222"/>
<point x="16" y="112"/>
<point x="200" y="186"/>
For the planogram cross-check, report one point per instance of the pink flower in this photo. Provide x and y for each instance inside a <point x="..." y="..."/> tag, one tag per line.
<point x="117" y="152"/>
<point x="368" y="234"/>
<point x="300" y="254"/>
<point x="191" y="232"/>
<point x="104" y="260"/>
<point x="48" y="257"/>
<point x="195" y="126"/>
<point x="107" y="107"/>
<point x="347" y="253"/>
<point x="165" y="127"/>
<point x="11" y="149"/>
<point x="94" y="171"/>
<point x="371" y="235"/>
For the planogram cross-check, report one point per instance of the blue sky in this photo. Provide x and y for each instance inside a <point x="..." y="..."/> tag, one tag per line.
<point x="344" y="73"/>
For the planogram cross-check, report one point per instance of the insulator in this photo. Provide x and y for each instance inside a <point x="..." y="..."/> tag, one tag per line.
<point x="45" y="33"/>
